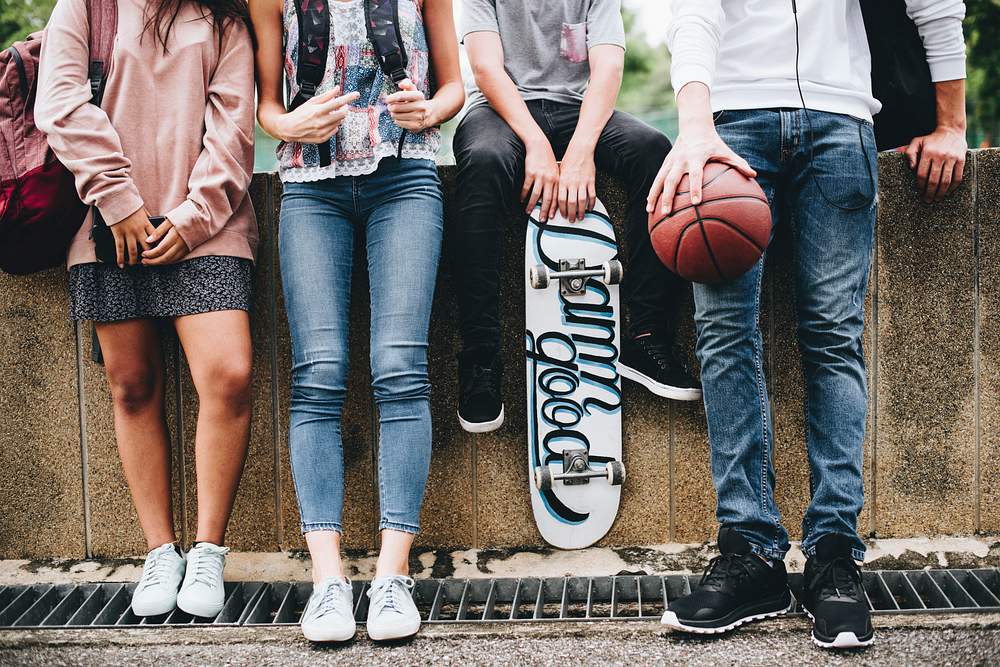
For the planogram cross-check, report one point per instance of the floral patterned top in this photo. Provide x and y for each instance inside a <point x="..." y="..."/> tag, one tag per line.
<point x="369" y="133"/>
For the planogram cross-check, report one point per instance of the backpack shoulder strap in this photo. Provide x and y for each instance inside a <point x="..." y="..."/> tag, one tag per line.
<point x="382" y="21"/>
<point x="102" y="16"/>
<point x="314" y="47"/>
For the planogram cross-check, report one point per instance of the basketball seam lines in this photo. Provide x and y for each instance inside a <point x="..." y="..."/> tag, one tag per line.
<point x="709" y="182"/>
<point x="708" y="246"/>
<point x="708" y="201"/>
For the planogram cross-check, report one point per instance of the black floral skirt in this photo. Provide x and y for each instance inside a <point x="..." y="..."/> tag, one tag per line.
<point x="105" y="293"/>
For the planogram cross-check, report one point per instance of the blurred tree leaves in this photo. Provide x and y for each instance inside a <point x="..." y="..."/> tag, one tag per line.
<point x="19" y="18"/>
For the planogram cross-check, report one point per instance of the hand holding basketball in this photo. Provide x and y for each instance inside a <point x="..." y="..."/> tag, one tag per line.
<point x="720" y="238"/>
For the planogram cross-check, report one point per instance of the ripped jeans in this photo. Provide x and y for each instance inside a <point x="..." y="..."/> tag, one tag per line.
<point x="400" y="210"/>
<point x="823" y="196"/>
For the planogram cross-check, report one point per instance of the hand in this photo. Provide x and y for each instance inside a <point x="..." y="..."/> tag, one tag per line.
<point x="317" y="120"/>
<point x="689" y="156"/>
<point x="541" y="178"/>
<point x="410" y="109"/>
<point x="939" y="160"/>
<point x="169" y="247"/>
<point x="131" y="238"/>
<point x="577" y="189"/>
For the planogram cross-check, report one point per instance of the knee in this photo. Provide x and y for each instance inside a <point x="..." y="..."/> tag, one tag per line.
<point x="228" y="382"/>
<point x="134" y="389"/>
<point x="399" y="372"/>
<point x="487" y="155"/>
<point x="320" y="381"/>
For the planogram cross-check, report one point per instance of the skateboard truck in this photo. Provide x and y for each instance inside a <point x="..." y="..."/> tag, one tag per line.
<point x="577" y="470"/>
<point x="573" y="274"/>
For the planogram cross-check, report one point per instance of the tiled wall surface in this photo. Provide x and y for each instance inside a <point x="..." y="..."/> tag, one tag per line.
<point x="932" y="455"/>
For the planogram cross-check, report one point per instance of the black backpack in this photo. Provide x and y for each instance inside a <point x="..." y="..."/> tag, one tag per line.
<point x="382" y="22"/>
<point x="901" y="77"/>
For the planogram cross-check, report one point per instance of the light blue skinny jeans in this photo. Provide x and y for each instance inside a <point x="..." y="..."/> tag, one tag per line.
<point x="400" y="210"/>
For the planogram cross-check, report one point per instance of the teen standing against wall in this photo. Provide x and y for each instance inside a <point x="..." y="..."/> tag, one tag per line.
<point x="173" y="138"/>
<point x="381" y="175"/>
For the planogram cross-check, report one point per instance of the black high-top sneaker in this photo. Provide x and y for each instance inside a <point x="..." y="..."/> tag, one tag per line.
<point x="833" y="596"/>
<point x="738" y="587"/>
<point x="480" y="407"/>
<point x="649" y="360"/>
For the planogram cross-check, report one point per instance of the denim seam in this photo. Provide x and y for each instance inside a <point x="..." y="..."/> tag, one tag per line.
<point x="765" y="453"/>
<point x="385" y="524"/>
<point x="321" y="525"/>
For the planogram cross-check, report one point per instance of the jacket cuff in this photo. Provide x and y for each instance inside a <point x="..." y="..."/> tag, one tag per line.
<point x="948" y="69"/>
<point x="186" y="220"/>
<point x="682" y="75"/>
<point x="119" y="206"/>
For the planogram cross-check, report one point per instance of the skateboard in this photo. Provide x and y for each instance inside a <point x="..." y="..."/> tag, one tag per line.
<point x="572" y="323"/>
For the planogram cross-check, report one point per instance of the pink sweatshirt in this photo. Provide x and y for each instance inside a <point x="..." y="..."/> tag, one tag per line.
<point x="175" y="132"/>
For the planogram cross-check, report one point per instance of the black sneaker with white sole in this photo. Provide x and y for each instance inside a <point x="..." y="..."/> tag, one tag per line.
<point x="738" y="587"/>
<point x="649" y="360"/>
<point x="833" y="596"/>
<point x="480" y="407"/>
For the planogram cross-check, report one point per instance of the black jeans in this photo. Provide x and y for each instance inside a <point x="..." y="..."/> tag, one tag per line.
<point x="490" y="175"/>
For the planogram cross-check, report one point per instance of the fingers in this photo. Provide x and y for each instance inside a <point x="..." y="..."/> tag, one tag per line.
<point x="944" y="180"/>
<point x="172" y="255"/>
<point x="324" y="98"/>
<point x="120" y="251"/>
<point x="549" y="197"/>
<point x="913" y="152"/>
<point x="537" y="189"/>
<point x="591" y="196"/>
<point x="958" y="176"/>
<point x="581" y="202"/>
<point x="158" y="233"/>
<point x="335" y="104"/>
<point x="923" y="171"/>
<point x="165" y="245"/>
<point x="657" y="189"/>
<point x="670" y="190"/>
<point x="404" y="97"/>
<point x="529" y="183"/>
<point x="562" y="198"/>
<point x="406" y="84"/>
<point x="737" y="163"/>
<point x="696" y="178"/>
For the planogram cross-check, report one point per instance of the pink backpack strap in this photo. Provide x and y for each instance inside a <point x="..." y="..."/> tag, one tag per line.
<point x="103" y="20"/>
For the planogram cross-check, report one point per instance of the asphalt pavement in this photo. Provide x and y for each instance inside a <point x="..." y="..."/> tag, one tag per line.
<point x="962" y="640"/>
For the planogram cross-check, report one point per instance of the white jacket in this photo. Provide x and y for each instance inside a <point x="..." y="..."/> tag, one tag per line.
<point x="744" y="51"/>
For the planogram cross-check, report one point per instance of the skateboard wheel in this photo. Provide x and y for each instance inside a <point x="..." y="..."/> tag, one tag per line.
<point x="543" y="478"/>
<point x="613" y="272"/>
<point x="538" y="275"/>
<point x="616" y="473"/>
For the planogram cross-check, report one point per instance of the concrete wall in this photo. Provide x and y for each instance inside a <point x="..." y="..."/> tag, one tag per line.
<point x="931" y="457"/>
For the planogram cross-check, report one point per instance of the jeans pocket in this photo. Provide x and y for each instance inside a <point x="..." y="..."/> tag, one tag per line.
<point x="843" y="163"/>
<point x="573" y="42"/>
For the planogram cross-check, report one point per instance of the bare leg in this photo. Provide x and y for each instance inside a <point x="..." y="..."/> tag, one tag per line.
<point x="220" y="354"/>
<point x="394" y="556"/>
<point x="133" y="360"/>
<point x="324" y="549"/>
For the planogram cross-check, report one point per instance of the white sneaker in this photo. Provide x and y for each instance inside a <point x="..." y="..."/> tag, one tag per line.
<point x="392" y="613"/>
<point x="202" y="593"/>
<point x="156" y="592"/>
<point x="329" y="614"/>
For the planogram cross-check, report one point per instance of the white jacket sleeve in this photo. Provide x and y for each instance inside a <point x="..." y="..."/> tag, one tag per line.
<point x="693" y="38"/>
<point x="940" y="25"/>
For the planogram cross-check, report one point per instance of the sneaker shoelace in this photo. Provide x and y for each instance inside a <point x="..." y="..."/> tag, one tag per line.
<point x="724" y="567"/>
<point x="658" y="353"/>
<point x="328" y="603"/>
<point x="156" y="568"/>
<point x="482" y="381"/>
<point x="207" y="566"/>
<point x="392" y="590"/>
<point x="839" y="576"/>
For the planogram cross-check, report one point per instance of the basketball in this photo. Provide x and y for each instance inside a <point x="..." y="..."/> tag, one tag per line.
<point x="721" y="238"/>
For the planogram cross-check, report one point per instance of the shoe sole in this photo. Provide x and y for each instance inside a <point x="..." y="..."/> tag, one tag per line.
<point x="157" y="611"/>
<point x="329" y="638"/>
<point x="842" y="641"/>
<point x="482" y="427"/>
<point x="662" y="390"/>
<point x="198" y="610"/>
<point x="670" y="620"/>
<point x="394" y="634"/>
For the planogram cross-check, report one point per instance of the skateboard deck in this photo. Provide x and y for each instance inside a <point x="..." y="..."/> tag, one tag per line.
<point x="572" y="323"/>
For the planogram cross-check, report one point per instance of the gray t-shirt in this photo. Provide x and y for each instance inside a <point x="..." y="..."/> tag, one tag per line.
<point x="546" y="42"/>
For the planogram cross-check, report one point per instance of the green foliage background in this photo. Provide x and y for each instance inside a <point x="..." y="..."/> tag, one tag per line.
<point x="646" y="91"/>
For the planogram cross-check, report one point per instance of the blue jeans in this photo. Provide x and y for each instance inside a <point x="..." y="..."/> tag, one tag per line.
<point x="828" y="205"/>
<point x="400" y="209"/>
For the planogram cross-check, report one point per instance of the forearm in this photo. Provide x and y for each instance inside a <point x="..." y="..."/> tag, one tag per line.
<point x="448" y="101"/>
<point x="694" y="108"/>
<point x="951" y="104"/>
<point x="598" y="106"/>
<point x="506" y="100"/>
<point x="269" y="113"/>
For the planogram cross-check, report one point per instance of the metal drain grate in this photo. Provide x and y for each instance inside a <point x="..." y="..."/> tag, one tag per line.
<point x="623" y="597"/>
